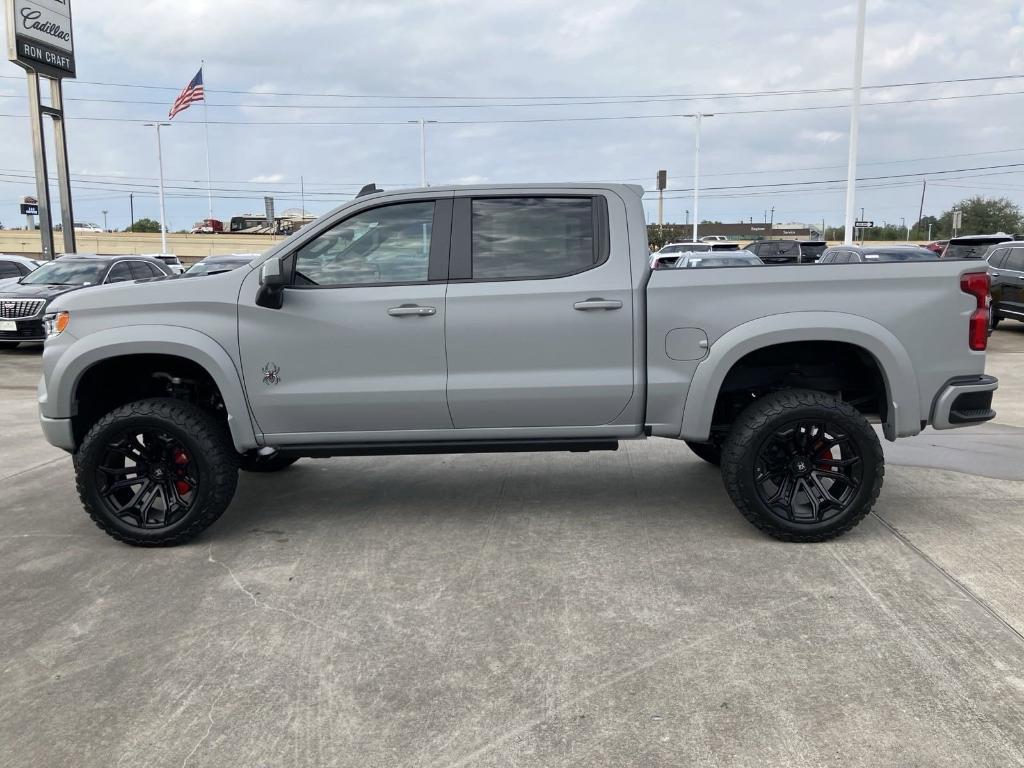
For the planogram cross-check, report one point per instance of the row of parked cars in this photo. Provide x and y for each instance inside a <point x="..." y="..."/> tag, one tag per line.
<point x="27" y="286"/>
<point x="1003" y="252"/>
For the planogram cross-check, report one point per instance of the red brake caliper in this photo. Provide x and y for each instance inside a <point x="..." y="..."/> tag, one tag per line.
<point x="180" y="463"/>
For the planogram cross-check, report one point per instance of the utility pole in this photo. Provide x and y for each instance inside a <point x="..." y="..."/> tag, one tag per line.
<point x="851" y="169"/>
<point x="302" y="197"/>
<point x="920" y="210"/>
<point x="131" y="211"/>
<point x="771" y="224"/>
<point x="862" y="231"/>
<point x="699" y="116"/>
<point x="160" y="166"/>
<point x="903" y="225"/>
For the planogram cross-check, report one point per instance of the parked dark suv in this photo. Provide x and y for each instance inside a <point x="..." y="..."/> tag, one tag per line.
<point x="788" y="251"/>
<point x="1006" y="270"/>
<point x="22" y="304"/>
<point x="975" y="246"/>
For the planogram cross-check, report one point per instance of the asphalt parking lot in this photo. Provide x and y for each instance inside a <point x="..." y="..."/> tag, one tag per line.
<point x="519" y="610"/>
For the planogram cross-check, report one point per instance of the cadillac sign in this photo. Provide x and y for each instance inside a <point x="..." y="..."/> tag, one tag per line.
<point x="39" y="36"/>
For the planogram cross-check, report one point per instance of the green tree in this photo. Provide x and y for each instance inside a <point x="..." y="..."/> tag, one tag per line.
<point x="144" y="225"/>
<point x="982" y="215"/>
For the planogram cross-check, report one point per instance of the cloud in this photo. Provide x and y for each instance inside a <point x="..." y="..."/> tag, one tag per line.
<point x="528" y="48"/>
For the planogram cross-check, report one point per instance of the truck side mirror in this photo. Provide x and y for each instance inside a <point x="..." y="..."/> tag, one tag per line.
<point x="272" y="283"/>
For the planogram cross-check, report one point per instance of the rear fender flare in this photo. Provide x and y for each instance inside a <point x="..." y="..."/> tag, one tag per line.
<point x="896" y="367"/>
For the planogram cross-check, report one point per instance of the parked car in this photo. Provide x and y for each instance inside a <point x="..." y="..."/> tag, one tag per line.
<point x="714" y="239"/>
<point x="23" y="304"/>
<point x="974" y="246"/>
<point x="214" y="265"/>
<point x="173" y="262"/>
<point x="788" y="251"/>
<point x="1006" y="269"/>
<point x="505" y="318"/>
<point x="938" y="246"/>
<point x="703" y="260"/>
<point x="13" y="268"/>
<point x="667" y="256"/>
<point x="81" y="226"/>
<point x="866" y="254"/>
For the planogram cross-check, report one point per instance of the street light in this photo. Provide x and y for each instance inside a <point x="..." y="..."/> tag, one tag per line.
<point x="851" y="168"/>
<point x="423" y="149"/>
<point x="160" y="166"/>
<point x="696" y="168"/>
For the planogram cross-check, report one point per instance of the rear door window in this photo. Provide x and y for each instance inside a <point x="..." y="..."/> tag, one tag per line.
<point x="140" y="270"/>
<point x="1015" y="261"/>
<point x="517" y="238"/>
<point x="120" y="273"/>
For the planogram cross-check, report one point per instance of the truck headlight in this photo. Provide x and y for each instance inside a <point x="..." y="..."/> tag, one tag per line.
<point x="55" y="323"/>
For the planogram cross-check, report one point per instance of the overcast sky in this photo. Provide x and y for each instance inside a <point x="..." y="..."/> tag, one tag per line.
<point x="512" y="53"/>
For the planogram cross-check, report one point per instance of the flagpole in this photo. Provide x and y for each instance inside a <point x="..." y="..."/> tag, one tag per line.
<point x="206" y="127"/>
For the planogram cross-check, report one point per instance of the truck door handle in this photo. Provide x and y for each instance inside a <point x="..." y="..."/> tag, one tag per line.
<point x="414" y="310"/>
<point x="995" y="274"/>
<point x="596" y="303"/>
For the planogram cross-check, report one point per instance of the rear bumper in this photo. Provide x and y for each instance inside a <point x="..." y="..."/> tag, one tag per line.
<point x="964" y="401"/>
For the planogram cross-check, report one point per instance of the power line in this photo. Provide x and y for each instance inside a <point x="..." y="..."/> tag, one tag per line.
<point x="599" y="118"/>
<point x="652" y="97"/>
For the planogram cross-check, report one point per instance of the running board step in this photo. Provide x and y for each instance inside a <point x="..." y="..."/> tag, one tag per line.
<point x="447" y="446"/>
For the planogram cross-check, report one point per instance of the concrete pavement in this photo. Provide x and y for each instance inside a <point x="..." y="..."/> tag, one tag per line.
<point x="518" y="610"/>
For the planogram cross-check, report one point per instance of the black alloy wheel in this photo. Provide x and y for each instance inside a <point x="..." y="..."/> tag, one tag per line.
<point x="802" y="465"/>
<point x="147" y="478"/>
<point x="156" y="472"/>
<point x="808" y="471"/>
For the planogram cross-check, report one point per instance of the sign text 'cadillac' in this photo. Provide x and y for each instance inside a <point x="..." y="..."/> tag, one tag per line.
<point x="39" y="36"/>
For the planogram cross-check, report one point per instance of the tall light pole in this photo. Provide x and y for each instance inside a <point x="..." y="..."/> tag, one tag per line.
<point x="160" y="166"/>
<point x="423" y="149"/>
<point x="698" y="116"/>
<point x="104" y="219"/>
<point x="851" y="169"/>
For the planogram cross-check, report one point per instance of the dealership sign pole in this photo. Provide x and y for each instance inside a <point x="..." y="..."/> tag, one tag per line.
<point x="39" y="40"/>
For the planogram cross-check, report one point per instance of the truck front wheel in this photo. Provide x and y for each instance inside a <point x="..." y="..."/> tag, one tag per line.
<point x="156" y="472"/>
<point x="802" y="465"/>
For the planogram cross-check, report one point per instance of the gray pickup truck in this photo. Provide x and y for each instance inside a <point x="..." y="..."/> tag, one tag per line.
<point x="506" y="318"/>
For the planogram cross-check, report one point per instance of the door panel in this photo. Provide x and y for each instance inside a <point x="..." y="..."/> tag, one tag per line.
<point x="555" y="352"/>
<point x="350" y="350"/>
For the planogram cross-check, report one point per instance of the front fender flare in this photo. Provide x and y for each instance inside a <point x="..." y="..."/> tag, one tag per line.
<point x="152" y="340"/>
<point x="890" y="355"/>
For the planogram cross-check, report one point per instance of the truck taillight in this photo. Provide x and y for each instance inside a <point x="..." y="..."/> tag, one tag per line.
<point x="977" y="284"/>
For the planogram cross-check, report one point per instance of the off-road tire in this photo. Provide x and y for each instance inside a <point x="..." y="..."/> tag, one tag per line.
<point x="758" y="422"/>
<point x="208" y="442"/>
<point x="275" y="462"/>
<point x="994" y="319"/>
<point x="710" y="452"/>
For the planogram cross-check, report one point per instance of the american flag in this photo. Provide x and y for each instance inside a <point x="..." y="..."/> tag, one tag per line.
<point x="192" y="93"/>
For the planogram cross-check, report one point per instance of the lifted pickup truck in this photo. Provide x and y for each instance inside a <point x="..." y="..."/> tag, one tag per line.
<point x="506" y="318"/>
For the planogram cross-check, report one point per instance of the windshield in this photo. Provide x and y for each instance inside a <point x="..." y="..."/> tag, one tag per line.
<point x="902" y="254"/>
<point x="813" y="250"/>
<point x="66" y="273"/>
<point x="224" y="265"/>
<point x="970" y="250"/>
<point x="732" y="260"/>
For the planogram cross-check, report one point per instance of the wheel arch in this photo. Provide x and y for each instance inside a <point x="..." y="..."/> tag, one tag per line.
<point x="891" y="358"/>
<point x="151" y="340"/>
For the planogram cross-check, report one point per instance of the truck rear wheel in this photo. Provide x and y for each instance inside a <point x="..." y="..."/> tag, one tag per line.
<point x="802" y="465"/>
<point x="156" y="472"/>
